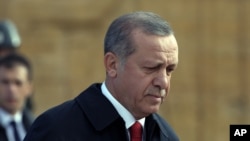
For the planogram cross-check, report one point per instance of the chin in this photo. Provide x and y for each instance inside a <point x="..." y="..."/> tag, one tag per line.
<point x="153" y="109"/>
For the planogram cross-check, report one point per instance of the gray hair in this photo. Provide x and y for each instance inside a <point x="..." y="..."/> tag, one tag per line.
<point x="118" y="37"/>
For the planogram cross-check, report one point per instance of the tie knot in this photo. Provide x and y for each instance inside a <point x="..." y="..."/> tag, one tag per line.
<point x="136" y="131"/>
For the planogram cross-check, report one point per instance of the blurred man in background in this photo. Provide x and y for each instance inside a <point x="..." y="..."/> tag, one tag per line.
<point x="15" y="87"/>
<point x="9" y="43"/>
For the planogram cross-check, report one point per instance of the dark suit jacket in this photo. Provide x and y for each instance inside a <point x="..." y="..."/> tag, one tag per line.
<point x="91" y="117"/>
<point x="27" y="121"/>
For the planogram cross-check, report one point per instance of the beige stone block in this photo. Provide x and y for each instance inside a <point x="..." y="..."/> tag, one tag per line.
<point x="61" y="11"/>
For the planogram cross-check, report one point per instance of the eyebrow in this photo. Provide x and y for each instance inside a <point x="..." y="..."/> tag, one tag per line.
<point x="159" y="63"/>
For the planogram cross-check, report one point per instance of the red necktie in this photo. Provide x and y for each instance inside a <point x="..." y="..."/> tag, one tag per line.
<point x="136" y="132"/>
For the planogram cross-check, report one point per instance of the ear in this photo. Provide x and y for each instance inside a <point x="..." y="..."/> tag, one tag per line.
<point x="111" y="64"/>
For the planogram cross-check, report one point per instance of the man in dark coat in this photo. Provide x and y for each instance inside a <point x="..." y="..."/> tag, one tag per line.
<point x="15" y="87"/>
<point x="140" y="54"/>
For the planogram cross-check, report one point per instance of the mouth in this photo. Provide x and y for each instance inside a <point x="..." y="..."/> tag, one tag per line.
<point x="156" y="95"/>
<point x="11" y="100"/>
<point x="155" y="98"/>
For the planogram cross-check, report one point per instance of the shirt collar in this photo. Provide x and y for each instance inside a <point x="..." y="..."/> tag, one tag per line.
<point x="6" y="118"/>
<point x="122" y="111"/>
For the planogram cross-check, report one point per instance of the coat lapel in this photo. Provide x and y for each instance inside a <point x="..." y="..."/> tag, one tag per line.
<point x="101" y="113"/>
<point x="97" y="108"/>
<point x="3" y="136"/>
<point x="154" y="131"/>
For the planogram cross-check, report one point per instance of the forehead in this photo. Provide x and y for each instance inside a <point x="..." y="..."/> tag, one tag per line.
<point x="15" y="72"/>
<point x="153" y="47"/>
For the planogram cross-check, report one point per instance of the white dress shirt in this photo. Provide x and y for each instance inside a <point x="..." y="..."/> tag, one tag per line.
<point x="122" y="111"/>
<point x="6" y="118"/>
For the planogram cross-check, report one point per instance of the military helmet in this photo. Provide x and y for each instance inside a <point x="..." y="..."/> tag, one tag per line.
<point x="9" y="37"/>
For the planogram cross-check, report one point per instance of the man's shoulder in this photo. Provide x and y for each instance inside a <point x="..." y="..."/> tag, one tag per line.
<point x="72" y="105"/>
<point x="78" y="115"/>
<point x="69" y="109"/>
<point x="57" y="113"/>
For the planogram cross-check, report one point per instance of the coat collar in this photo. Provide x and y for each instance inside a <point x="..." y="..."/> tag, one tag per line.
<point x="157" y="119"/>
<point x="100" y="115"/>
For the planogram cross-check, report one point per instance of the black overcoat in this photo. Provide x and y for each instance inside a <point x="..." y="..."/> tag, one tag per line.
<point x="91" y="117"/>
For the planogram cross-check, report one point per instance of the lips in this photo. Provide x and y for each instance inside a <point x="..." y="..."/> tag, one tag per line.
<point x="11" y="100"/>
<point x="154" y="99"/>
<point x="155" y="96"/>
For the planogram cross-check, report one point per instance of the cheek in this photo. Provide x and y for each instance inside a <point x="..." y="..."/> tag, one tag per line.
<point x="23" y="92"/>
<point x="3" y="92"/>
<point x="135" y="81"/>
<point x="139" y="87"/>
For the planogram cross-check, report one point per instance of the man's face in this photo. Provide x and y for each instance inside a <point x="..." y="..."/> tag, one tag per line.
<point x="15" y="87"/>
<point x="144" y="81"/>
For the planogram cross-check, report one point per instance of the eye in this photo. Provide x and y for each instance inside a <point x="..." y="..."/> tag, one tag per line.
<point x="18" y="83"/>
<point x="151" y="69"/>
<point x="170" y="69"/>
<point x="5" y="82"/>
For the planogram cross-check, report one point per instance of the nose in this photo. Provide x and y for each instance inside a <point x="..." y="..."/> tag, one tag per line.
<point x="162" y="80"/>
<point x="11" y="88"/>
